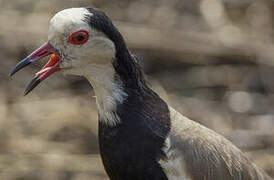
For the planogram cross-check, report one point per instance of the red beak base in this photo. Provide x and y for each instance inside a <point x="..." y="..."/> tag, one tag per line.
<point x="51" y="67"/>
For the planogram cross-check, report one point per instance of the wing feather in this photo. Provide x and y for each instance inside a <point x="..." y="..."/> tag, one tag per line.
<point x="198" y="153"/>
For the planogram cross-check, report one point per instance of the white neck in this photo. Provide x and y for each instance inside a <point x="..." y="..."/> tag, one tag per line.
<point x="108" y="90"/>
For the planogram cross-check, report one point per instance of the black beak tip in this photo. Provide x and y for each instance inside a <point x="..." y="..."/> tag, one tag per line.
<point x="34" y="82"/>
<point x="20" y="65"/>
<point x="26" y="92"/>
<point x="12" y="72"/>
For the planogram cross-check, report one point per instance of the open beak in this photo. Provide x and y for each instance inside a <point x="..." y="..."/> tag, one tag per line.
<point x="51" y="67"/>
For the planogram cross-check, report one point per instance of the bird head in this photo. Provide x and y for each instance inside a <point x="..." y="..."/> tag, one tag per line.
<point x="77" y="38"/>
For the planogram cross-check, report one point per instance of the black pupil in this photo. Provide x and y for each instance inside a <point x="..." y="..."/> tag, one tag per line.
<point x="80" y="37"/>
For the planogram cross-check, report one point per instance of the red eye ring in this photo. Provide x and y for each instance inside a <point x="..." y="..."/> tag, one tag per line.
<point x="79" y="37"/>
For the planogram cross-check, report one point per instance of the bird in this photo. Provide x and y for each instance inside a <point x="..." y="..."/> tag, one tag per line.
<point x="140" y="136"/>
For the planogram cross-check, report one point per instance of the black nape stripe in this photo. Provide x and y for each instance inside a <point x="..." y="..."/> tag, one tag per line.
<point x="132" y="148"/>
<point x="125" y="64"/>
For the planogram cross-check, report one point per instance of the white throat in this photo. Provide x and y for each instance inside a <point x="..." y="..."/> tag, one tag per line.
<point x="108" y="91"/>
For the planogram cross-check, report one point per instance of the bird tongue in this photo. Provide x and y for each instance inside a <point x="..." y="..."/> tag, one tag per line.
<point x="51" y="67"/>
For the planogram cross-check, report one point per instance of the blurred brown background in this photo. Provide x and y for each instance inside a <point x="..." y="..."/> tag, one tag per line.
<point x="210" y="59"/>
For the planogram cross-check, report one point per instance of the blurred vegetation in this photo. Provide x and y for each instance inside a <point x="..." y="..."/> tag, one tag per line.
<point x="210" y="59"/>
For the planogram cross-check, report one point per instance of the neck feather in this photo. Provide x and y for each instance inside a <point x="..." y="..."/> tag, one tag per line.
<point x="108" y="90"/>
<point x="115" y="81"/>
<point x="129" y="71"/>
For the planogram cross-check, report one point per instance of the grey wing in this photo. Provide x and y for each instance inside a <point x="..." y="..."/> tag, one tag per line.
<point x="195" y="152"/>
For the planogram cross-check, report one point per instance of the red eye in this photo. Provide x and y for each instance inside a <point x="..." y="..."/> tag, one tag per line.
<point x="79" y="37"/>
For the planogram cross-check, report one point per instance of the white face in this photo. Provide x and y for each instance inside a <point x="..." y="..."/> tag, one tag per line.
<point x="77" y="43"/>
